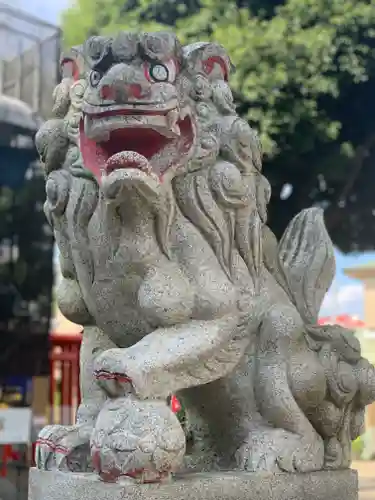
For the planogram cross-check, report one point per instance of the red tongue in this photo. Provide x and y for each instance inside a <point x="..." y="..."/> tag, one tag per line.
<point x="127" y="159"/>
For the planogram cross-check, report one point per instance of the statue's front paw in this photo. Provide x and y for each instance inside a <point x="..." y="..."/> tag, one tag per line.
<point x="64" y="448"/>
<point x="109" y="373"/>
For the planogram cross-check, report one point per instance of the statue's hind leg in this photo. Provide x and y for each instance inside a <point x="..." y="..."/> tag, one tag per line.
<point x="295" y="443"/>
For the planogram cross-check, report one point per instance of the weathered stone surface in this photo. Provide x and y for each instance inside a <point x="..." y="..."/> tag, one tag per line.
<point x="335" y="485"/>
<point x="158" y="202"/>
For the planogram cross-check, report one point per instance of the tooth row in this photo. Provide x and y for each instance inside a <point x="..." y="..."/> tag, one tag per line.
<point x="100" y="131"/>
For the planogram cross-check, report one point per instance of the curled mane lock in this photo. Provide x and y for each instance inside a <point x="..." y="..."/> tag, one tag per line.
<point x="219" y="194"/>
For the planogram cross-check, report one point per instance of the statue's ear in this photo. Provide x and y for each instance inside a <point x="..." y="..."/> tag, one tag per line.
<point x="209" y="59"/>
<point x="72" y="64"/>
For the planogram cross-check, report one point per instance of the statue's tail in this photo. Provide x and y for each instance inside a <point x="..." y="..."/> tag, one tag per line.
<point x="306" y="262"/>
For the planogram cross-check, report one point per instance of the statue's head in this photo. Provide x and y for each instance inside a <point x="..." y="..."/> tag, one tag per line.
<point x="146" y="116"/>
<point x="138" y="123"/>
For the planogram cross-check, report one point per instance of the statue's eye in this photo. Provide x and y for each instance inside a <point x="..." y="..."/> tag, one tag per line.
<point x="158" y="72"/>
<point x="95" y="77"/>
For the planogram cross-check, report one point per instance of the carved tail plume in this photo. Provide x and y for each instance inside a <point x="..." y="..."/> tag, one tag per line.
<point x="307" y="262"/>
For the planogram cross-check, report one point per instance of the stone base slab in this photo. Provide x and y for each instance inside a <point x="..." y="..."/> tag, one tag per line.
<point x="326" y="485"/>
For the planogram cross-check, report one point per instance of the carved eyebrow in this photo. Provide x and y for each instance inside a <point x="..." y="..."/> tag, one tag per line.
<point x="125" y="46"/>
<point x="105" y="61"/>
<point x="150" y="58"/>
<point x="159" y="46"/>
<point x="98" y="53"/>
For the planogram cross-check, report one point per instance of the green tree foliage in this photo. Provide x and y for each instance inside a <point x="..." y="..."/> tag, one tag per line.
<point x="305" y="80"/>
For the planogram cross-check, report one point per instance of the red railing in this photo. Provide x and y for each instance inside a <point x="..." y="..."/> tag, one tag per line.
<point x="64" y="395"/>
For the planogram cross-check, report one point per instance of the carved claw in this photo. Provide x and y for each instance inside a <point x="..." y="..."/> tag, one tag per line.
<point x="46" y="450"/>
<point x="104" y="375"/>
<point x="109" y="374"/>
<point x="63" y="447"/>
<point x="109" y="362"/>
<point x="114" y="384"/>
<point x="275" y="450"/>
<point x="301" y="455"/>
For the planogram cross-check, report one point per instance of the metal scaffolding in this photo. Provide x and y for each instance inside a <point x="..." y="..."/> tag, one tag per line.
<point x="29" y="59"/>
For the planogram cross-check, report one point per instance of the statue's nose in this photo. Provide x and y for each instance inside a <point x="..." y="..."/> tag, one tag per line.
<point x="121" y="91"/>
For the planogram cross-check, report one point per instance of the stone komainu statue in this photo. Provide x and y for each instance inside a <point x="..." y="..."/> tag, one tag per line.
<point x="159" y="207"/>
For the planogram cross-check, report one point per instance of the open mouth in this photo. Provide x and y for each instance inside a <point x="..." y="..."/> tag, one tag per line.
<point x="149" y="141"/>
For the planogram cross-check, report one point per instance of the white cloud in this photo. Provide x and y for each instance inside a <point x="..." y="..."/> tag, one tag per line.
<point x="47" y="11"/>
<point x="344" y="299"/>
<point x="349" y="293"/>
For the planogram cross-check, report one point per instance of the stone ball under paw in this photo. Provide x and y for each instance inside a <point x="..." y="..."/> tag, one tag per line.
<point x="136" y="438"/>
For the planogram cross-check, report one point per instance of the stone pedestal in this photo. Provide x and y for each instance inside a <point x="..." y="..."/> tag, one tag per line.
<point x="337" y="485"/>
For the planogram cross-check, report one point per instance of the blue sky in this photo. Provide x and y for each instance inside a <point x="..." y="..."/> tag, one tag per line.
<point x="47" y="10"/>
<point x="346" y="294"/>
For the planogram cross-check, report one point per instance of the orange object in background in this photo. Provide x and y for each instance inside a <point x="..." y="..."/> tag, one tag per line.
<point x="344" y="320"/>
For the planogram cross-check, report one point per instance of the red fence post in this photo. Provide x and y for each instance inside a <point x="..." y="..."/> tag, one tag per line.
<point x="64" y="359"/>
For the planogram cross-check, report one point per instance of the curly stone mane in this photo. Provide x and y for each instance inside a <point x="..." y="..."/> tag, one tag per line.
<point x="224" y="193"/>
<point x="71" y="191"/>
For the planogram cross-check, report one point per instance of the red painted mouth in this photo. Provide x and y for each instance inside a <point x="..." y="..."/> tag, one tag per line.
<point x="138" y="146"/>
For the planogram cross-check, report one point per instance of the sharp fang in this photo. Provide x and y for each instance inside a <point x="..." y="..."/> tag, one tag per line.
<point x="86" y="124"/>
<point x="101" y="136"/>
<point x="93" y="132"/>
<point x="184" y="113"/>
<point x="172" y="119"/>
<point x="176" y="130"/>
<point x="168" y="132"/>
